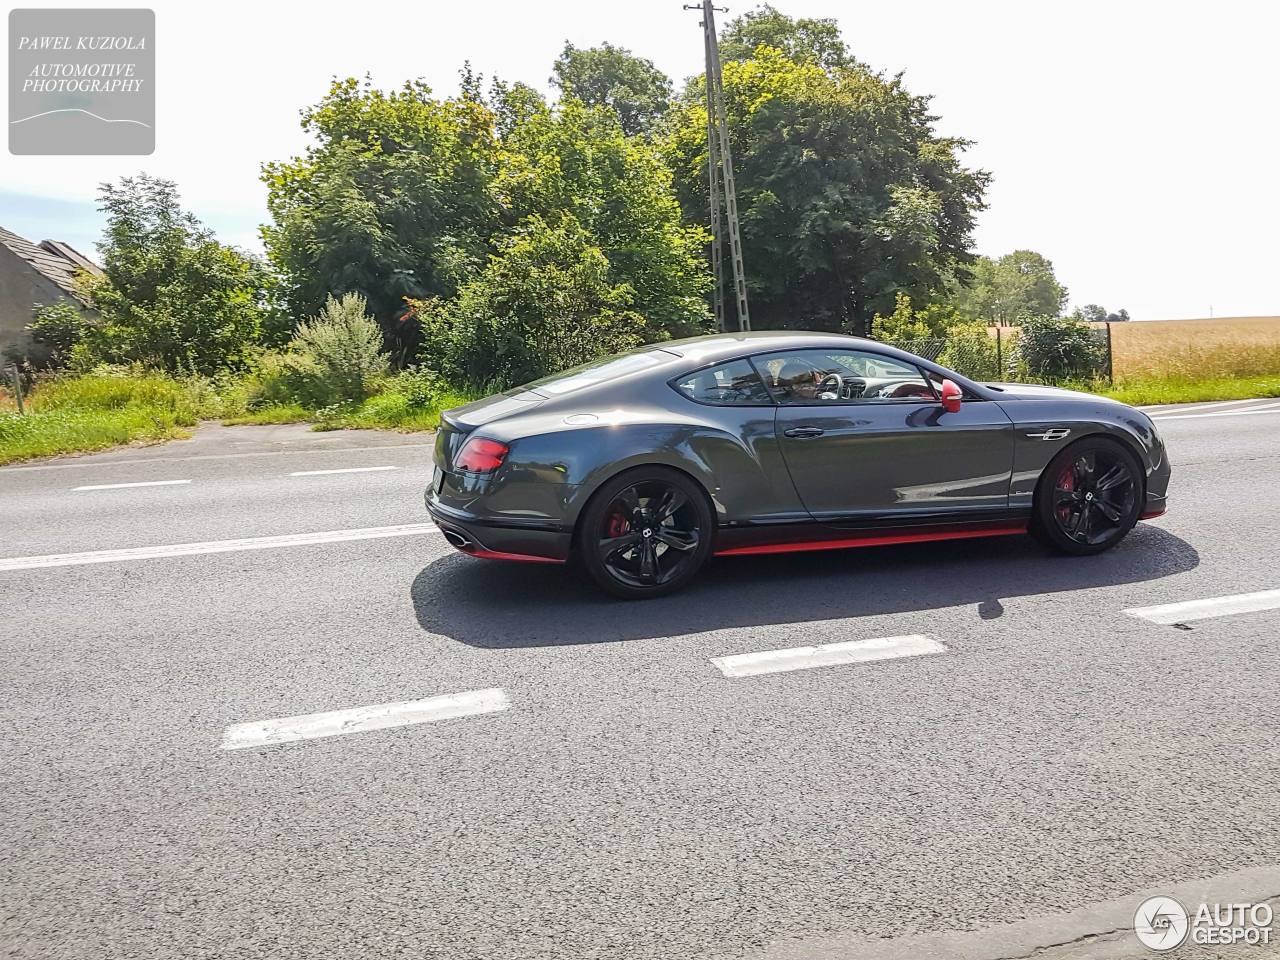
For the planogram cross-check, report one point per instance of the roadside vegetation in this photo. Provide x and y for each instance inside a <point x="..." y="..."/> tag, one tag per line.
<point x="428" y="249"/>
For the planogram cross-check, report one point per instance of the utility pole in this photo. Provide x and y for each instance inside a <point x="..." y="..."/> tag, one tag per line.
<point x="720" y="156"/>
<point x="713" y="182"/>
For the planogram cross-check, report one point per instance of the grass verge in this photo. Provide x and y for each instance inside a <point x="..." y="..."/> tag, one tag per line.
<point x="99" y="411"/>
<point x="1185" y="390"/>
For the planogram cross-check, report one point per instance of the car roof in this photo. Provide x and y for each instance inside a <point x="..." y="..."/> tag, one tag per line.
<point x="725" y="346"/>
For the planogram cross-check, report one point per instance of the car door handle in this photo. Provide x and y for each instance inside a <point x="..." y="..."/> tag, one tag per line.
<point x="803" y="433"/>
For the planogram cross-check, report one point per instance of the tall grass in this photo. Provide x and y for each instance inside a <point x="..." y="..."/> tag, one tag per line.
<point x="102" y="410"/>
<point x="131" y="405"/>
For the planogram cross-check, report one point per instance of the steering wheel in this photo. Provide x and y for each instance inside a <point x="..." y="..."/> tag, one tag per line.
<point x="831" y="383"/>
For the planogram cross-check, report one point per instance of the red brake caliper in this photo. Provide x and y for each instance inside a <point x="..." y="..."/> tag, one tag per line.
<point x="1066" y="483"/>
<point x="617" y="525"/>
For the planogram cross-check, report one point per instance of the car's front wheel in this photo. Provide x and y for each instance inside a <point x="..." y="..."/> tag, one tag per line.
<point x="1089" y="497"/>
<point x="645" y="533"/>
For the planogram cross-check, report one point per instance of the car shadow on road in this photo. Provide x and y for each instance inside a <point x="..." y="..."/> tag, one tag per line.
<point x="504" y="605"/>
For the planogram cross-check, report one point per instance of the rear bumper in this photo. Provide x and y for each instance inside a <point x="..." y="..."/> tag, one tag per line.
<point x="500" y="540"/>
<point x="1155" y="507"/>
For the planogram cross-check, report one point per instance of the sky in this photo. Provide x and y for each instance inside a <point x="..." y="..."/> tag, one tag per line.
<point x="1133" y="143"/>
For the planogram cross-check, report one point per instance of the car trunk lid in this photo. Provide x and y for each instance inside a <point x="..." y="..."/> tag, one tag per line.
<point x="457" y="424"/>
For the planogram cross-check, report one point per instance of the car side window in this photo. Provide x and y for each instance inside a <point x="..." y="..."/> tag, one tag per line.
<point x="730" y="384"/>
<point x="841" y="376"/>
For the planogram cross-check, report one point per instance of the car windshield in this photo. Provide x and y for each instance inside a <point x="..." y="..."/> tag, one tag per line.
<point x="598" y="371"/>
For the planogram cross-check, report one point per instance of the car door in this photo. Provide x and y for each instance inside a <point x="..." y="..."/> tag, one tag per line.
<point x="867" y="441"/>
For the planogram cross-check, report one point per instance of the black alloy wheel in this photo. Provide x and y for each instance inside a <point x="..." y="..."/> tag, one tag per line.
<point x="645" y="533"/>
<point x="1089" y="497"/>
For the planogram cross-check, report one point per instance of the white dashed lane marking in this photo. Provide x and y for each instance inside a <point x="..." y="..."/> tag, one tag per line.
<point x="382" y="716"/>
<point x="121" y="486"/>
<point x="318" y="473"/>
<point x="828" y="655"/>
<point x="214" y="546"/>
<point x="1188" y="407"/>
<point x="1229" y="408"/>
<point x="1187" y="610"/>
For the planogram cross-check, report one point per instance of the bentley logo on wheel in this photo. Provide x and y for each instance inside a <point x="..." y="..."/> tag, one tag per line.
<point x="1053" y="433"/>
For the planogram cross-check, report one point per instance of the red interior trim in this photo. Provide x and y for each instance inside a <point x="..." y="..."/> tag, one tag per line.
<point x="876" y="540"/>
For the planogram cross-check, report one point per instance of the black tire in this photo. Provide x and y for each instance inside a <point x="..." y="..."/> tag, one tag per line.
<point x="1089" y="497"/>
<point x="622" y="558"/>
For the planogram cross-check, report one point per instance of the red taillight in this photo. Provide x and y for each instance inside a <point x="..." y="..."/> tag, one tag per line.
<point x="481" y="456"/>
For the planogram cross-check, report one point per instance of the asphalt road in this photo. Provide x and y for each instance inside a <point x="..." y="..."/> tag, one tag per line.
<point x="1017" y="794"/>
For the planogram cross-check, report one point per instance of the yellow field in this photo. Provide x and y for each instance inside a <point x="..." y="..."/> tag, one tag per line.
<point x="1196" y="349"/>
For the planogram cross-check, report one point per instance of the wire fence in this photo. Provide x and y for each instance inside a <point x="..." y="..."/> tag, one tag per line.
<point x="1010" y="355"/>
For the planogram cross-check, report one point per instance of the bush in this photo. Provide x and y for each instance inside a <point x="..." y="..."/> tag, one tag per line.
<point x="56" y="331"/>
<point x="545" y="303"/>
<point x="336" y="356"/>
<point x="972" y="351"/>
<point x="1060" y="348"/>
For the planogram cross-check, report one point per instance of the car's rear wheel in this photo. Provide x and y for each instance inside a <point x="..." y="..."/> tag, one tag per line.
<point x="645" y="533"/>
<point x="1089" y="497"/>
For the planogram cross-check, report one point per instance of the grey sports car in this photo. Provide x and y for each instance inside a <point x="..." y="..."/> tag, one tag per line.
<point x="642" y="465"/>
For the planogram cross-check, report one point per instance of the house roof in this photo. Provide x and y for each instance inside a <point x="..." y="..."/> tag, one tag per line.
<point x="56" y="261"/>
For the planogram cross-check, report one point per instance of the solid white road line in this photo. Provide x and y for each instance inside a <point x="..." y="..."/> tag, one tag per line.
<point x="381" y="716"/>
<point x="214" y="546"/>
<point x="1209" y="607"/>
<point x="121" y="486"/>
<point x="1188" y="408"/>
<point x="317" y="473"/>
<point x="828" y="655"/>
<point x="1225" y="413"/>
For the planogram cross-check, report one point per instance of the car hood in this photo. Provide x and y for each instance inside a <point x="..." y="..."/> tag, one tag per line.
<point x="1035" y="391"/>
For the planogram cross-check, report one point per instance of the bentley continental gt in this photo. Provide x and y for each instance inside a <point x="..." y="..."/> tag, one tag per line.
<point x="641" y="466"/>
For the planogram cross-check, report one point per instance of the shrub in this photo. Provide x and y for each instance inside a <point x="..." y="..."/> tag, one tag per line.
<point x="56" y="331"/>
<point x="1060" y="348"/>
<point x="336" y="356"/>
<point x="972" y="351"/>
<point x="545" y="303"/>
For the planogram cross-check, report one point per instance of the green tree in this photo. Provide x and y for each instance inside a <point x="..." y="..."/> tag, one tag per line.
<point x="596" y="233"/>
<point x="801" y="40"/>
<point x="392" y="201"/>
<point x="934" y="321"/>
<point x="608" y="76"/>
<point x="573" y="163"/>
<point x="1095" y="313"/>
<point x="847" y="195"/>
<point x="545" y="302"/>
<point x="1020" y="284"/>
<point x="170" y="294"/>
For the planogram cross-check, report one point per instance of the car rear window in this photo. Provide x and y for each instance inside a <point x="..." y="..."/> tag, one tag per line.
<point x="598" y="371"/>
<point x="730" y="384"/>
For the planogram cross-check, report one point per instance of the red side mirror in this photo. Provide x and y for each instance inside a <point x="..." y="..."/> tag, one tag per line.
<point x="951" y="394"/>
